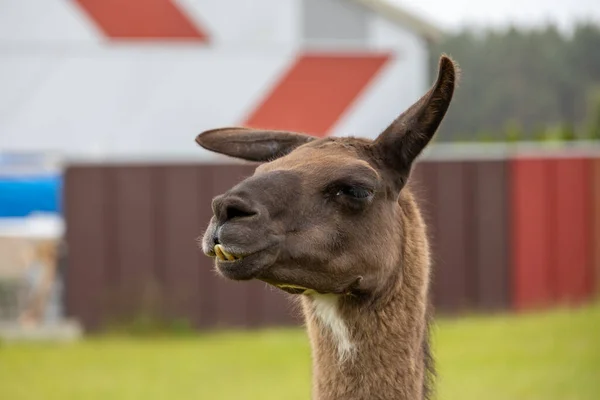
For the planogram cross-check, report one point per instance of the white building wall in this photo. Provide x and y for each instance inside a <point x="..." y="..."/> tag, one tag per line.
<point x="402" y="82"/>
<point x="29" y="25"/>
<point x="128" y="99"/>
<point x="65" y="87"/>
<point x="412" y="48"/>
<point x="247" y="22"/>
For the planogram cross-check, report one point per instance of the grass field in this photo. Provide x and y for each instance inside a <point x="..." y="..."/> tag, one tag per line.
<point x="543" y="356"/>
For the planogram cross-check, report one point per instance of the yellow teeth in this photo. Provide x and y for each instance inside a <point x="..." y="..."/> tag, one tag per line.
<point x="224" y="255"/>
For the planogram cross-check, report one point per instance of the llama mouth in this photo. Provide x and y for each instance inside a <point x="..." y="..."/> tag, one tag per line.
<point x="242" y="267"/>
<point x="224" y="255"/>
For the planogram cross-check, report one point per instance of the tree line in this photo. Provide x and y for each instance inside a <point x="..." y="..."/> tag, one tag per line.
<point x="524" y="84"/>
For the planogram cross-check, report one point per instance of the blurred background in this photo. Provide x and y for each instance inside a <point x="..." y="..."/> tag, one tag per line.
<point x="103" y="192"/>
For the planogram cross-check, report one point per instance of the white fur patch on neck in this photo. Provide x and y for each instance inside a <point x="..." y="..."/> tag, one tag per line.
<point x="325" y="308"/>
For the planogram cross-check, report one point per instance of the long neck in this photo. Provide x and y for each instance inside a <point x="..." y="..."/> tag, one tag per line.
<point x="379" y="349"/>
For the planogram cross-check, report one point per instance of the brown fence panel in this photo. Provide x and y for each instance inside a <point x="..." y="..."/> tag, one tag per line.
<point x="279" y="309"/>
<point x="472" y="240"/>
<point x="184" y="213"/>
<point x="85" y="210"/>
<point x="464" y="204"/>
<point x="489" y="244"/>
<point x="132" y="230"/>
<point x="452" y="234"/>
<point x="136" y="251"/>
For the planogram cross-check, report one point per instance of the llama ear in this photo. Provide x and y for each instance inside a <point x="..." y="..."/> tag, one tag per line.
<point x="250" y="144"/>
<point x="402" y="141"/>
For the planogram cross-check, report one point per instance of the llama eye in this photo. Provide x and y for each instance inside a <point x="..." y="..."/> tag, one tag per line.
<point x="354" y="191"/>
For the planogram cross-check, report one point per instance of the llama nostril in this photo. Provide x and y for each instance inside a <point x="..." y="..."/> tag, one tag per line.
<point x="228" y="208"/>
<point x="235" y="211"/>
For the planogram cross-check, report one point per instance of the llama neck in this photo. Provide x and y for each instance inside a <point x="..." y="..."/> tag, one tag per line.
<point x="376" y="356"/>
<point x="374" y="350"/>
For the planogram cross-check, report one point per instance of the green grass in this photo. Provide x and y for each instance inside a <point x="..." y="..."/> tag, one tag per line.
<point x="543" y="356"/>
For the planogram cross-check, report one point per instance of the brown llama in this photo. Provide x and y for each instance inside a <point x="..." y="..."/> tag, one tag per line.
<point x="334" y="221"/>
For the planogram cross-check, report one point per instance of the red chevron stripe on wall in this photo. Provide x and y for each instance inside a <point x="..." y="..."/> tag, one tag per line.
<point x="315" y="92"/>
<point x="142" y="19"/>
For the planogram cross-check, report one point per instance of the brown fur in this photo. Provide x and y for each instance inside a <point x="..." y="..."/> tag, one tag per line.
<point x="334" y="221"/>
<point x="390" y="332"/>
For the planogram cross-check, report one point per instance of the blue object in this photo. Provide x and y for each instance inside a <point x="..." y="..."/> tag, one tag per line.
<point x="23" y="195"/>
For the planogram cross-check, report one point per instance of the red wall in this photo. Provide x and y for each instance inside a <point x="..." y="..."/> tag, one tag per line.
<point x="554" y="232"/>
<point x="595" y="176"/>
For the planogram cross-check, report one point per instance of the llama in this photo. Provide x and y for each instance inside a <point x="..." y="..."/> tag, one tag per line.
<point x="333" y="221"/>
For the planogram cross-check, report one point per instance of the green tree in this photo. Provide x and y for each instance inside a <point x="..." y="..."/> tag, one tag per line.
<point x="533" y="76"/>
<point x="593" y="116"/>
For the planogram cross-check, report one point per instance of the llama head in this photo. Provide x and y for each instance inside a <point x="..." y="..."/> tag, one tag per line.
<point x="320" y="214"/>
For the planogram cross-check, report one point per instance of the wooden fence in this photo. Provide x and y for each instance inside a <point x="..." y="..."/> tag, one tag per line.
<point x="512" y="232"/>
